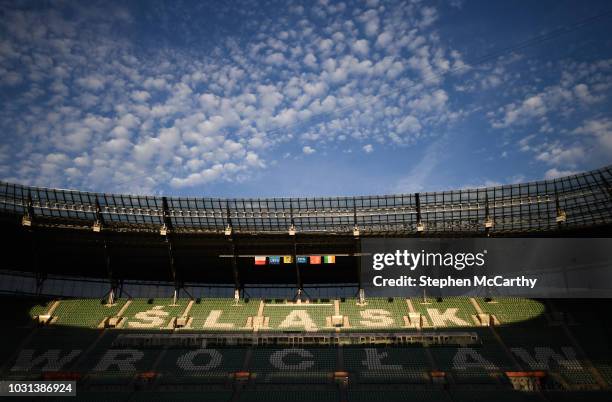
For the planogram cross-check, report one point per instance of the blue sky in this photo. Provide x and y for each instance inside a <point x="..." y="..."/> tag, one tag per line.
<point x="253" y="98"/>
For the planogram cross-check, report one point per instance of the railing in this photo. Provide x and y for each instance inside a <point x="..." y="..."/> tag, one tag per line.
<point x="579" y="200"/>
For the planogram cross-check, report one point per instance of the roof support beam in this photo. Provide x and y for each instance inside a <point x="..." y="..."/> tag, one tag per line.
<point x="419" y="225"/>
<point x="166" y="231"/>
<point x="229" y="233"/>
<point x="298" y="275"/>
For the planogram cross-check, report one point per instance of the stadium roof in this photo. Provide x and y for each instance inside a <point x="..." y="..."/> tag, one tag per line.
<point x="574" y="201"/>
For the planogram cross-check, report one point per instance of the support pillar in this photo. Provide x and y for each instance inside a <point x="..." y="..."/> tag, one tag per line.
<point x="166" y="230"/>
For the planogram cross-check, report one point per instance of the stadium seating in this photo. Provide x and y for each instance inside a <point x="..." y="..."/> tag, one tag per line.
<point x="40" y="307"/>
<point x="204" y="366"/>
<point x="381" y="365"/>
<point x="376" y="313"/>
<point x="397" y="395"/>
<point x="546" y="348"/>
<point x="59" y="344"/>
<point x="294" y="365"/>
<point x="288" y="395"/>
<point x="222" y="314"/>
<point x="87" y="396"/>
<point x="526" y="339"/>
<point x="220" y="395"/>
<point x="433" y="310"/>
<point x="152" y="313"/>
<point x="99" y="360"/>
<point x="487" y="395"/>
<point x="284" y="316"/>
<point x="87" y="313"/>
<point x="514" y="310"/>
<point x="232" y="313"/>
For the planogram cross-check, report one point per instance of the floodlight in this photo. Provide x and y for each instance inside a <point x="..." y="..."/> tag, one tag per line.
<point x="420" y="227"/>
<point x="561" y="216"/>
<point x="163" y="230"/>
<point x="356" y="231"/>
<point x="26" y="220"/>
<point x="292" y="230"/>
<point x="228" y="230"/>
<point x="97" y="227"/>
<point x="488" y="222"/>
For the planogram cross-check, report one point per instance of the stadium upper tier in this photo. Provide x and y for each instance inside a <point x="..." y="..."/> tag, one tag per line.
<point x="574" y="201"/>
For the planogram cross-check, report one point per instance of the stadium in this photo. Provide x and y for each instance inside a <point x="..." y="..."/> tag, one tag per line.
<point x="145" y="298"/>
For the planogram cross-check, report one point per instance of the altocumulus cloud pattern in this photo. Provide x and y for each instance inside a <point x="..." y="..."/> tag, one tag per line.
<point x="223" y="98"/>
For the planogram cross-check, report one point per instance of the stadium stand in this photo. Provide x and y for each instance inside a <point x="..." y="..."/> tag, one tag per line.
<point x="293" y="365"/>
<point x="387" y="365"/>
<point x="447" y="312"/>
<point x="200" y="365"/>
<point x="226" y="314"/>
<point x="304" y="316"/>
<point x="152" y="313"/>
<point x="513" y="310"/>
<point x="288" y="395"/>
<point x="375" y="313"/>
<point x="397" y="395"/>
<point x="309" y="334"/>
<point x="87" y="313"/>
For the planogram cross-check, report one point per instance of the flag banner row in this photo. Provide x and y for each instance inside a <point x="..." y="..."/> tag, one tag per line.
<point x="302" y="259"/>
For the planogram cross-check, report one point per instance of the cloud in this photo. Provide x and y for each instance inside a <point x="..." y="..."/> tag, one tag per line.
<point x="429" y="16"/>
<point x="308" y="150"/>
<point x="371" y="22"/>
<point x="275" y="58"/>
<point x="92" y="82"/>
<point x="573" y="92"/>
<point x="384" y="39"/>
<point x="600" y="129"/>
<point x="140" y="96"/>
<point x="132" y="113"/>
<point x="409" y="124"/>
<point x="310" y="60"/>
<point x="11" y="78"/>
<point x="582" y="93"/>
<point x="556" y="154"/>
<point x="554" y="173"/>
<point x="533" y="106"/>
<point x="361" y="47"/>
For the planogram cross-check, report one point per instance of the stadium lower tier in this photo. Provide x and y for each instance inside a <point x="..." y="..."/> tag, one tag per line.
<point x="260" y="315"/>
<point x="155" y="349"/>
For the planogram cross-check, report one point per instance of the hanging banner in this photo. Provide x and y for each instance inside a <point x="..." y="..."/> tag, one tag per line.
<point x="274" y="260"/>
<point x="287" y="259"/>
<point x="329" y="259"/>
<point x="302" y="260"/>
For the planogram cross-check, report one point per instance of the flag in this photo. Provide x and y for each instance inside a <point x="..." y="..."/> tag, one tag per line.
<point x="302" y="260"/>
<point x="315" y="259"/>
<point x="329" y="259"/>
<point x="274" y="260"/>
<point x="260" y="260"/>
<point x="287" y="259"/>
